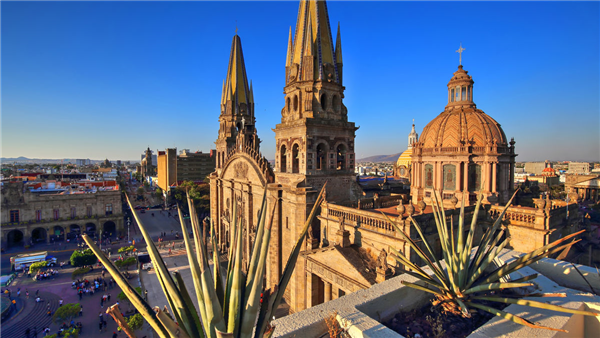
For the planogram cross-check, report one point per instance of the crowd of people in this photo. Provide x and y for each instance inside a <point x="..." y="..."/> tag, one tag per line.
<point x="43" y="275"/>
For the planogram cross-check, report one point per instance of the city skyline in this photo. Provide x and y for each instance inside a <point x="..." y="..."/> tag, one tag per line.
<point x="106" y="80"/>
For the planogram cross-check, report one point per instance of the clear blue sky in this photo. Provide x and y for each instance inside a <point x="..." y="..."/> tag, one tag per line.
<point x="107" y="79"/>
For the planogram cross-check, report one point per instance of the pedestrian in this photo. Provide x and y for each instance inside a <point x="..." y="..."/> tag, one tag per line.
<point x="27" y="294"/>
<point x="27" y="332"/>
<point x="48" y="305"/>
<point x="146" y="295"/>
<point x="35" y="332"/>
<point x="102" y="302"/>
<point x="108" y="297"/>
<point x="19" y="292"/>
<point x="169" y="251"/>
<point x="104" y="325"/>
<point x="60" y="302"/>
<point x="114" y="335"/>
<point x="14" y="303"/>
<point x="100" y="326"/>
<point x="80" y="310"/>
<point x="37" y="293"/>
<point x="100" y="315"/>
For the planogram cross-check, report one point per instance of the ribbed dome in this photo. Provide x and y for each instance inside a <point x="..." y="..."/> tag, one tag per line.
<point x="405" y="158"/>
<point x="453" y="128"/>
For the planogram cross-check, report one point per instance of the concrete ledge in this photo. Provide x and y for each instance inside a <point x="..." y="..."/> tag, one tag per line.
<point x="361" y="312"/>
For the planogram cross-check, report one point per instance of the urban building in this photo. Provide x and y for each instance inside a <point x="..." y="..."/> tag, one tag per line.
<point x="148" y="164"/>
<point x="536" y="168"/>
<point x="187" y="166"/>
<point x="56" y="211"/>
<point x="579" y="167"/>
<point x="403" y="166"/>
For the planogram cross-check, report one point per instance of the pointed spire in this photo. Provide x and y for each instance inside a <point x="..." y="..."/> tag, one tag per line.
<point x="288" y="60"/>
<point x="313" y="14"/>
<point x="338" y="46"/>
<point x="223" y="100"/>
<point x="236" y="83"/>
<point x="308" y="39"/>
<point x="251" y="93"/>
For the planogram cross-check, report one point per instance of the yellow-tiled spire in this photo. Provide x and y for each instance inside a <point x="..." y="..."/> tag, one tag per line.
<point x="288" y="59"/>
<point x="313" y="17"/>
<point x="338" y="46"/>
<point x="236" y="83"/>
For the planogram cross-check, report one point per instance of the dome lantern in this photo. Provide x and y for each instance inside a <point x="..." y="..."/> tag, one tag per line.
<point x="460" y="89"/>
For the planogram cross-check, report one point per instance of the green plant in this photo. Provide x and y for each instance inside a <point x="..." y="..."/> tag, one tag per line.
<point x="68" y="333"/>
<point x="66" y="312"/>
<point x="83" y="257"/>
<point x="240" y="307"/>
<point x="464" y="282"/>
<point x="126" y="249"/>
<point x="78" y="272"/>
<point x="126" y="262"/>
<point x="33" y="268"/>
<point x="135" y="322"/>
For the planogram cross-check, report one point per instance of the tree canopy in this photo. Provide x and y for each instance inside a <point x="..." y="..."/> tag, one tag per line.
<point x="83" y="257"/>
<point x="66" y="312"/>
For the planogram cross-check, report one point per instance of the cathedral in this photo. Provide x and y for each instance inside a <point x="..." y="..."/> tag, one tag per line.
<point x="460" y="152"/>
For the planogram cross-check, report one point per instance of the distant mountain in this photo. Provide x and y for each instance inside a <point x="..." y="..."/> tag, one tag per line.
<point x="381" y="158"/>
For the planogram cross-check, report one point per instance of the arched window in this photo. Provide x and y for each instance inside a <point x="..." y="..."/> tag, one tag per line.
<point x="289" y="104"/>
<point x="341" y="157"/>
<point x="457" y="98"/>
<point x="295" y="159"/>
<point x="337" y="104"/>
<point x="321" y="156"/>
<point x="452" y="95"/>
<point x="474" y="177"/>
<point x="295" y="102"/>
<point x="428" y="176"/>
<point x="283" y="159"/>
<point x="324" y="101"/>
<point x="449" y="177"/>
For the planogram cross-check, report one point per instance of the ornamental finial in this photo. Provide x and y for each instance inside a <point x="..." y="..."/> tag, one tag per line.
<point x="459" y="51"/>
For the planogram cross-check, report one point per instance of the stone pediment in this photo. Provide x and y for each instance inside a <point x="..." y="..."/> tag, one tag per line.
<point x="339" y="266"/>
<point x="593" y="183"/>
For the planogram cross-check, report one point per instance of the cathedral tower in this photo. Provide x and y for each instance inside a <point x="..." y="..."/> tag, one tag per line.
<point x="237" y="106"/>
<point x="315" y="142"/>
<point x="314" y="138"/>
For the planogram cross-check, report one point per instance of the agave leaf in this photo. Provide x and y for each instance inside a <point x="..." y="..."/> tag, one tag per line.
<point x="219" y="289"/>
<point x="173" y="329"/>
<point x="256" y="249"/>
<point x="230" y="265"/>
<point x="449" y="255"/>
<point x="252" y="306"/>
<point x="194" y="269"/>
<point x="485" y="241"/>
<point x="423" y="276"/>
<point x="463" y="308"/>
<point x="138" y="302"/>
<point x="422" y="288"/>
<point x="275" y="298"/>
<point x="466" y="255"/>
<point x="535" y="304"/>
<point x="511" y="317"/>
<point x="417" y="250"/>
<point x="495" y="286"/>
<point x="416" y="225"/>
<point x="530" y="258"/>
<point x="526" y="278"/>
<point x="488" y="259"/>
<point x="174" y="296"/>
<point x="236" y="286"/>
<point x="188" y="301"/>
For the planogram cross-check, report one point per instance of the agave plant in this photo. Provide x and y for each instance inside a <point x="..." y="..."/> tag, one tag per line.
<point x="238" y="307"/>
<point x="464" y="281"/>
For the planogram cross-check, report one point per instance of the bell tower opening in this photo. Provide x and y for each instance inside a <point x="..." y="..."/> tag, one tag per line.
<point x="341" y="157"/>
<point x="321" y="156"/>
<point x="283" y="159"/>
<point x="295" y="159"/>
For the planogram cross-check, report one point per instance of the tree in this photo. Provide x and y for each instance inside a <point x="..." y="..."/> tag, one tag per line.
<point x="158" y="192"/>
<point x="33" y="268"/>
<point x="66" y="312"/>
<point x="83" y="257"/>
<point x="125" y="263"/>
<point x="68" y="333"/>
<point x="135" y="322"/>
<point x="126" y="249"/>
<point x="199" y="193"/>
<point x="140" y="191"/>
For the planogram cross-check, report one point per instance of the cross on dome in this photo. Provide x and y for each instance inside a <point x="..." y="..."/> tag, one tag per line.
<point x="459" y="51"/>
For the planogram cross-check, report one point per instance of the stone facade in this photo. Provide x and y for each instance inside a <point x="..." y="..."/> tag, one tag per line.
<point x="579" y="168"/>
<point x="39" y="217"/>
<point x="462" y="150"/>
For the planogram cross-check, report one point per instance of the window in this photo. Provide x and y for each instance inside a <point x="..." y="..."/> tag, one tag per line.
<point x="14" y="215"/>
<point x="295" y="102"/>
<point x="457" y="93"/>
<point x="295" y="159"/>
<point x="452" y="95"/>
<point x="428" y="194"/>
<point x="73" y="212"/>
<point x="283" y="159"/>
<point x="109" y="209"/>
<point x="56" y="213"/>
<point x="464" y="93"/>
<point x="341" y="157"/>
<point x="321" y="153"/>
<point x="38" y="215"/>
<point x="448" y="196"/>
<point x="324" y="101"/>
<point x="89" y="211"/>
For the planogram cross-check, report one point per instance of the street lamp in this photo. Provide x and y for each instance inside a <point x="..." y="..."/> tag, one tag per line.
<point x="128" y="224"/>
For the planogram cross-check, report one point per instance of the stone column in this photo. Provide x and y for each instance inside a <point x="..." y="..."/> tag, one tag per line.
<point x="335" y="292"/>
<point x="465" y="176"/>
<point x="327" y="291"/>
<point x="494" y="169"/>
<point x="309" y="290"/>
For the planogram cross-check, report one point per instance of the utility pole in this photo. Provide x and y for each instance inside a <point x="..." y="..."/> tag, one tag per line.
<point x="128" y="227"/>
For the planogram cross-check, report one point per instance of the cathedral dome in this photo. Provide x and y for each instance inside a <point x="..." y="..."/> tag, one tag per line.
<point x="405" y="158"/>
<point x="462" y="127"/>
